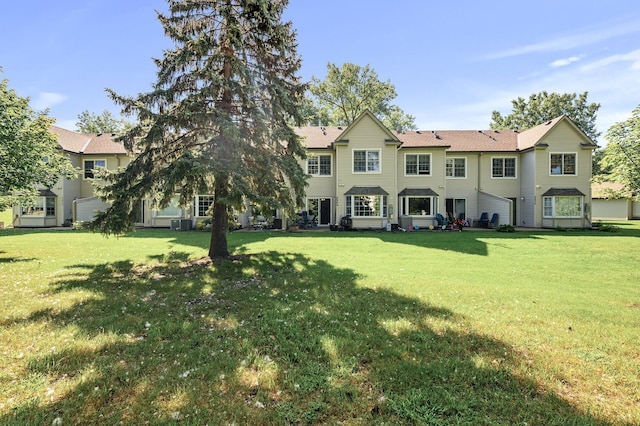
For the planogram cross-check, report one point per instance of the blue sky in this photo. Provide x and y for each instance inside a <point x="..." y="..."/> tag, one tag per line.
<point x="452" y="63"/>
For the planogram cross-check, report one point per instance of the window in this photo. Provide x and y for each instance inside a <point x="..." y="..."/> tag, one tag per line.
<point x="172" y="210"/>
<point x="203" y="203"/>
<point x="319" y="165"/>
<point x="562" y="207"/>
<point x="503" y="167"/>
<point x="416" y="206"/>
<point x="456" y="167"/>
<point x="366" y="161"/>
<point x="91" y="165"/>
<point x="417" y="164"/>
<point x="563" y="164"/>
<point x="366" y="205"/>
<point x="43" y="206"/>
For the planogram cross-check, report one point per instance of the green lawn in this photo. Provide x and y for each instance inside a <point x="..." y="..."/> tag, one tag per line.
<point x="6" y="217"/>
<point x="355" y="328"/>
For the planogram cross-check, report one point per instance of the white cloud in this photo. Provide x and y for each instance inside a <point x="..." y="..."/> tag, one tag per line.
<point x="564" y="62"/>
<point x="583" y="37"/>
<point x="46" y="100"/>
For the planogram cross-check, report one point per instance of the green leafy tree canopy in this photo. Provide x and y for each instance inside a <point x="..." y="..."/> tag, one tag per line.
<point x="29" y="154"/>
<point x="217" y="121"/>
<point x="622" y="153"/>
<point x="89" y="122"/>
<point x="349" y="90"/>
<point x="543" y="106"/>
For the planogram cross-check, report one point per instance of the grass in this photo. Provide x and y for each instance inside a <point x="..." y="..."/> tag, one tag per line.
<point x="473" y="328"/>
<point x="6" y="217"/>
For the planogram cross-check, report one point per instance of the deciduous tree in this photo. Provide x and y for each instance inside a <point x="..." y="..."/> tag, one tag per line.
<point x="218" y="118"/>
<point x="29" y="154"/>
<point x="622" y="153"/>
<point x="89" y="122"/>
<point x="349" y="90"/>
<point x="543" y="106"/>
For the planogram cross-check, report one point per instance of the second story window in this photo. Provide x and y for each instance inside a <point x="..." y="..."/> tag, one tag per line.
<point x="503" y="167"/>
<point x="562" y="164"/>
<point x="319" y="165"/>
<point x="417" y="164"/>
<point x="456" y="167"/>
<point x="366" y="161"/>
<point x="91" y="165"/>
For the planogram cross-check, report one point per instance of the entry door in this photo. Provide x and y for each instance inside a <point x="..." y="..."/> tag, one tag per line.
<point x="140" y="214"/>
<point x="457" y="206"/>
<point x="320" y="208"/>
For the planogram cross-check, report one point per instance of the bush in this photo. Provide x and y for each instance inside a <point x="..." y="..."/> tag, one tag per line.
<point x="605" y="227"/>
<point x="505" y="228"/>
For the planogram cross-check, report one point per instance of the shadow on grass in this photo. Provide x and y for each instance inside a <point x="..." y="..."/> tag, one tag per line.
<point x="271" y="338"/>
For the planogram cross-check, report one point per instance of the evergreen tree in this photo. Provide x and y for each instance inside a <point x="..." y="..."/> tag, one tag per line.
<point x="217" y="119"/>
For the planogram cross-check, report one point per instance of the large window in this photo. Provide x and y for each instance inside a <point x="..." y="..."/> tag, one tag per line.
<point x="319" y="165"/>
<point x="172" y="210"/>
<point x="203" y="203"/>
<point x="91" y="165"/>
<point x="417" y="164"/>
<point x="416" y="206"/>
<point x="562" y="206"/>
<point x="43" y="206"/>
<point x="366" y="205"/>
<point x="503" y="167"/>
<point x="366" y="161"/>
<point x="562" y="164"/>
<point x="456" y="167"/>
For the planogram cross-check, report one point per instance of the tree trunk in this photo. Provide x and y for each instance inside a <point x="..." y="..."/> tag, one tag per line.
<point x="218" y="244"/>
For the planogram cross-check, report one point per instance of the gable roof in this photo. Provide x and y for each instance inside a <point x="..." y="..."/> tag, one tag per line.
<point x="451" y="140"/>
<point x="88" y="143"/>
<point x="535" y="135"/>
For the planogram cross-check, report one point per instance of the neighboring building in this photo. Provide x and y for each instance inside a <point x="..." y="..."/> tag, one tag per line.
<point x="612" y="201"/>
<point x="535" y="178"/>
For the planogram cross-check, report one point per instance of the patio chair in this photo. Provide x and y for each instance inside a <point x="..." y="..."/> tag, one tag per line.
<point x="484" y="220"/>
<point x="442" y="222"/>
<point x="494" y="221"/>
<point x="305" y="220"/>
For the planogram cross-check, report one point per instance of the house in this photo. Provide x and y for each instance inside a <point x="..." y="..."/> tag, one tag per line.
<point x="613" y="201"/>
<point x="536" y="178"/>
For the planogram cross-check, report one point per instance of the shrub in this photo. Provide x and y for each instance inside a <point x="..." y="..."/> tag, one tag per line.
<point x="505" y="228"/>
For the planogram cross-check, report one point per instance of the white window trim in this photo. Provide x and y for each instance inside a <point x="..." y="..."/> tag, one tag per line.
<point x="575" y="154"/>
<point x="384" y="206"/>
<point x="456" y="158"/>
<point x="84" y="168"/>
<point x="196" y="204"/>
<point x="379" y="171"/>
<point x="318" y="174"/>
<point x="43" y="199"/>
<point x="553" y="207"/>
<point x="504" y="158"/>
<point x="418" y="174"/>
<point x="404" y="202"/>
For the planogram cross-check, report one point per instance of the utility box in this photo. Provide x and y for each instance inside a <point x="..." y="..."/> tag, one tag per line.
<point x="175" y="224"/>
<point x="181" y="224"/>
<point x="406" y="222"/>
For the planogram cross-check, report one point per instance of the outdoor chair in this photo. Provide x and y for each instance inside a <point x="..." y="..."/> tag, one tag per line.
<point x="494" y="221"/>
<point x="442" y="222"/>
<point x="484" y="220"/>
<point x="305" y="220"/>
